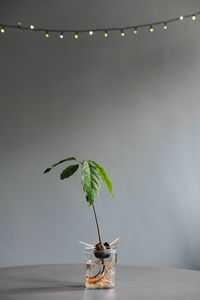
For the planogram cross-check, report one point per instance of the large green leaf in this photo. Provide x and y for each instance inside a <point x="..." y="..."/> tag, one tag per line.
<point x="69" y="171"/>
<point x="58" y="163"/>
<point x="105" y="177"/>
<point x="91" y="181"/>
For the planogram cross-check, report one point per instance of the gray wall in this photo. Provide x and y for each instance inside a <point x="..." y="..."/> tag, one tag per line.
<point x="131" y="104"/>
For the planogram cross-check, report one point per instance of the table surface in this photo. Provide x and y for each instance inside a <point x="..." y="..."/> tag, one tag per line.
<point x="67" y="282"/>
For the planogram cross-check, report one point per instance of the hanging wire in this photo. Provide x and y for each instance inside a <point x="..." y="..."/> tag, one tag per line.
<point x="91" y="31"/>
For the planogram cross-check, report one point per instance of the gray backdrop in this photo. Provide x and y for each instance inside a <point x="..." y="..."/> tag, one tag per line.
<point x="131" y="104"/>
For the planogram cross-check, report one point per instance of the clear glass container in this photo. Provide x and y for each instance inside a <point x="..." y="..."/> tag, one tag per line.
<point x="100" y="272"/>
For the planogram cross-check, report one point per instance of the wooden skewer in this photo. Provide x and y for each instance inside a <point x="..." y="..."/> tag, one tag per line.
<point x="88" y="245"/>
<point x="120" y="242"/>
<point x="114" y="241"/>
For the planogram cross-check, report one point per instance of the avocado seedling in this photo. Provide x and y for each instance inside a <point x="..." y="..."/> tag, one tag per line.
<point x="91" y="176"/>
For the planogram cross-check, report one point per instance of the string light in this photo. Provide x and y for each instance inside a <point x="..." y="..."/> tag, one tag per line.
<point x="61" y="35"/>
<point x="151" y="28"/>
<point x="134" y="28"/>
<point x="165" y="26"/>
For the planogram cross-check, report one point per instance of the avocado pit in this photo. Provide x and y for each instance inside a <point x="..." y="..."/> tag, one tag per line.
<point x="101" y="250"/>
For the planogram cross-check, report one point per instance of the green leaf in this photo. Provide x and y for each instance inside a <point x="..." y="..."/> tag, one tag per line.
<point x="105" y="177"/>
<point x="58" y="163"/>
<point x="47" y="170"/>
<point x="91" y="181"/>
<point x="63" y="160"/>
<point x="69" y="171"/>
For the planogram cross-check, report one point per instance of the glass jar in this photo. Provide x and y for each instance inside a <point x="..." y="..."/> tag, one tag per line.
<point x="100" y="272"/>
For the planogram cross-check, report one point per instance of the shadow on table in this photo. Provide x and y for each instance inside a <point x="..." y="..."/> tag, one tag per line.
<point x="43" y="287"/>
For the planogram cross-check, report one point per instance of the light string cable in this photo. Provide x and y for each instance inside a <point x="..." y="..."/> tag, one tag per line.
<point x="91" y="31"/>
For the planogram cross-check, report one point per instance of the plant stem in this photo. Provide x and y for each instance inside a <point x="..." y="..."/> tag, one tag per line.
<point x="79" y="161"/>
<point x="98" y="230"/>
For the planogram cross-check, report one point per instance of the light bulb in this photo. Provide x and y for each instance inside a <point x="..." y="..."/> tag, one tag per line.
<point x="91" y="32"/>
<point x="151" y="29"/>
<point x="165" y="26"/>
<point x="193" y="17"/>
<point x="47" y="34"/>
<point x="61" y="35"/>
<point x="106" y="33"/>
<point x="19" y="24"/>
<point x="122" y="33"/>
<point x="181" y="18"/>
<point x="2" y="29"/>
<point x="135" y="31"/>
<point x="76" y="35"/>
<point x="32" y="27"/>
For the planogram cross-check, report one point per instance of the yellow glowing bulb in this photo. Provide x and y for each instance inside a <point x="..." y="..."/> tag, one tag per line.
<point x="165" y="26"/>
<point x="122" y="33"/>
<point x="32" y="27"/>
<point x="91" y="32"/>
<point x="61" y="36"/>
<point x="151" y="29"/>
<point x="106" y="34"/>
<point x="47" y="35"/>
<point x="19" y="24"/>
<point x="2" y="30"/>
<point x="181" y="18"/>
<point x="193" y="17"/>
<point x="76" y="36"/>
<point x="135" y="31"/>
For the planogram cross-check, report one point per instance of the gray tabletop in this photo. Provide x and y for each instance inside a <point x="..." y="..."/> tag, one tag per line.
<point x="67" y="282"/>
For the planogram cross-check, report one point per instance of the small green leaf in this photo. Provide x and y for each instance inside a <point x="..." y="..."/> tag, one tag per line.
<point x="47" y="170"/>
<point x="105" y="177"/>
<point x="69" y="171"/>
<point x="91" y="181"/>
<point x="63" y="160"/>
<point x="58" y="163"/>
